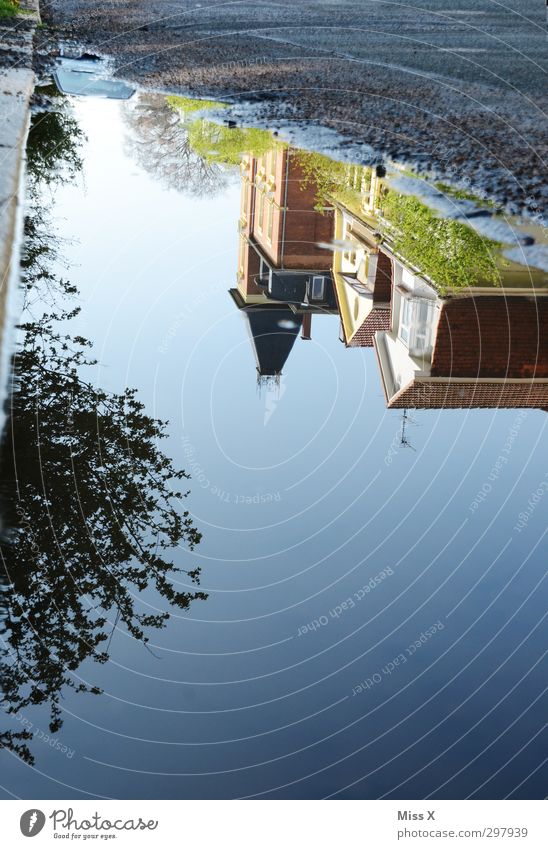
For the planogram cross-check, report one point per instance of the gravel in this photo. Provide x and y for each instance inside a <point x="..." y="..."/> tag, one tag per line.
<point x="455" y="92"/>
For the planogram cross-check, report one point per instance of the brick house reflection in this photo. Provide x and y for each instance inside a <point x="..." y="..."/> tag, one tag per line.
<point x="483" y="346"/>
<point x="473" y="350"/>
<point x="283" y="275"/>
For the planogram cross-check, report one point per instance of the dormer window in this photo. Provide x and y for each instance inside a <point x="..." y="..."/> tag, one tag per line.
<point x="406" y="317"/>
<point x="316" y="288"/>
<point x="417" y="325"/>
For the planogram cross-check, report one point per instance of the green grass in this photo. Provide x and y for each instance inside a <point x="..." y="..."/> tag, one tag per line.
<point x="331" y="179"/>
<point x="218" y="142"/>
<point x="449" y="252"/>
<point x="463" y="194"/>
<point x="225" y="145"/>
<point x="188" y="105"/>
<point x="8" y="8"/>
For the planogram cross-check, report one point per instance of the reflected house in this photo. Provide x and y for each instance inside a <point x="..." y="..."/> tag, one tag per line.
<point x="363" y="274"/>
<point x="283" y="276"/>
<point x="482" y="346"/>
<point x="465" y="351"/>
<point x="272" y="333"/>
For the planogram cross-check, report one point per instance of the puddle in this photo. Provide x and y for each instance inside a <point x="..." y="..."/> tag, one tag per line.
<point x="354" y="378"/>
<point x="89" y="77"/>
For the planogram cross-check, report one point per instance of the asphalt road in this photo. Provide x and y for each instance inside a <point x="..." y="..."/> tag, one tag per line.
<point x="459" y="89"/>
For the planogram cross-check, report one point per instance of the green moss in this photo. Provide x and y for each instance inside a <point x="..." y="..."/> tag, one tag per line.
<point x="332" y="179"/>
<point x="218" y="143"/>
<point x="8" y="8"/>
<point x="462" y="194"/>
<point x="188" y="105"/>
<point x="449" y="252"/>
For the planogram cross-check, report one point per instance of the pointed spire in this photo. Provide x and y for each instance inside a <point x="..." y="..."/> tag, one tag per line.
<point x="272" y="333"/>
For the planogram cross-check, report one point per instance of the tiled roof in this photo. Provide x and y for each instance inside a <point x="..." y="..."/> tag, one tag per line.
<point x="448" y="394"/>
<point x="378" y="319"/>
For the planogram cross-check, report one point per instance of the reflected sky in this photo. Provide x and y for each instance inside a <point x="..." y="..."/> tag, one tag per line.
<point x="375" y="615"/>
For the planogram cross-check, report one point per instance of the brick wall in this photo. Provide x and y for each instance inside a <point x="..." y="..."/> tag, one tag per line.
<point x="247" y="284"/>
<point x="296" y="245"/>
<point x="382" y="291"/>
<point x="492" y="337"/>
<point x="305" y="226"/>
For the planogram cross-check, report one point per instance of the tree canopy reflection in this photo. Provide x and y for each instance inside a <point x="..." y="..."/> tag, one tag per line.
<point x="92" y="507"/>
<point x="160" y="144"/>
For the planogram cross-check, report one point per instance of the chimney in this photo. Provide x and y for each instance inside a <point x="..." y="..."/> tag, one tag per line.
<point x="306" y="326"/>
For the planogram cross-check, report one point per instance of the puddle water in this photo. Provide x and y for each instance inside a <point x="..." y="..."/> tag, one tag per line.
<point x="89" y="77"/>
<point x="365" y="504"/>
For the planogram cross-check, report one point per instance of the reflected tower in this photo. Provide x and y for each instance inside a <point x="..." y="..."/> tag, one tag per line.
<point x="284" y="273"/>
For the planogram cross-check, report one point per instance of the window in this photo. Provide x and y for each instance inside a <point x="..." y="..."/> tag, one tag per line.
<point x="269" y="221"/>
<point x="416" y="322"/>
<point x="273" y="162"/>
<point x="422" y="329"/>
<point x="317" y="288"/>
<point x="405" y="319"/>
<point x="246" y="201"/>
<point x="260" y="212"/>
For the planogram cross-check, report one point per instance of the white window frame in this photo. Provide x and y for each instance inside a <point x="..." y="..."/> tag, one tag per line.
<point x="416" y="325"/>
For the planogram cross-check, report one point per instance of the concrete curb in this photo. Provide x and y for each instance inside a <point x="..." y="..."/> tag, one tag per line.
<point x="16" y="87"/>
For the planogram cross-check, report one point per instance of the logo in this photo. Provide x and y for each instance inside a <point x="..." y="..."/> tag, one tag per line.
<point x="275" y="391"/>
<point x="32" y="822"/>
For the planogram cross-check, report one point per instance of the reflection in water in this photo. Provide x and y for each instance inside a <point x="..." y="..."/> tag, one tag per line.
<point x="453" y="323"/>
<point x="161" y="145"/>
<point x="89" y="507"/>
<point x="262" y="701"/>
<point x="283" y="275"/>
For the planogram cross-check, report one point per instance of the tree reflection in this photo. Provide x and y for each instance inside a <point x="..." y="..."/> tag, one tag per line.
<point x="91" y="506"/>
<point x="160" y="144"/>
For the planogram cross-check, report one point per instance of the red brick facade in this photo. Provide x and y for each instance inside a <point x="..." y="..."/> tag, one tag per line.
<point x="382" y="292"/>
<point x="281" y="217"/>
<point x="304" y="225"/>
<point x="492" y="336"/>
